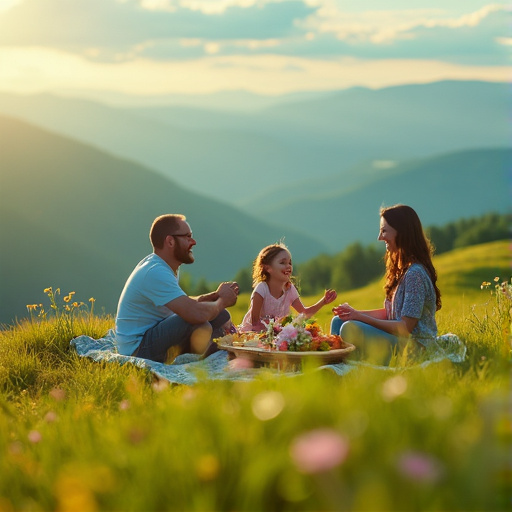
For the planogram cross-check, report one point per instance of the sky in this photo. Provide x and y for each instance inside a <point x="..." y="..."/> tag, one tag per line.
<point x="270" y="47"/>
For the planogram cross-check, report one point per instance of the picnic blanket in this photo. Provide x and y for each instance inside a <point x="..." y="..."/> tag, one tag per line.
<point x="190" y="368"/>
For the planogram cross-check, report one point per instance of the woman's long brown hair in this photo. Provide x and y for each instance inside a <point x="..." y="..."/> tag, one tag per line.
<point x="412" y="247"/>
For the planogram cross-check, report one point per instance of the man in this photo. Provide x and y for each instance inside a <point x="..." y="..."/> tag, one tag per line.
<point x="155" y="314"/>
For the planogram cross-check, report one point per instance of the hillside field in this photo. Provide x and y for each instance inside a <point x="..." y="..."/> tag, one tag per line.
<point x="81" y="435"/>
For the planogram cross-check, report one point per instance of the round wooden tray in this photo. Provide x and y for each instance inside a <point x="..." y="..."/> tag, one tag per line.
<point x="262" y="355"/>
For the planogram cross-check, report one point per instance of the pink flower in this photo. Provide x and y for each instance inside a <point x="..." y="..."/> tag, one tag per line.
<point x="124" y="405"/>
<point x="289" y="332"/>
<point x="319" y="451"/>
<point x="283" y="346"/>
<point x="420" y="467"/>
<point x="58" y="394"/>
<point x="34" y="436"/>
<point x="50" y="417"/>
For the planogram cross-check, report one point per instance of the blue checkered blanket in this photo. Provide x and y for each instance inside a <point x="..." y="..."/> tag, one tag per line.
<point x="190" y="368"/>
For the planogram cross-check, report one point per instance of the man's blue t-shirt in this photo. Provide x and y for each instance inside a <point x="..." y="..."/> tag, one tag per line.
<point x="151" y="285"/>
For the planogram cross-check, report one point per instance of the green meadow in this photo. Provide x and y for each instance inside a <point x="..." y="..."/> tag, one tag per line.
<point x="77" y="435"/>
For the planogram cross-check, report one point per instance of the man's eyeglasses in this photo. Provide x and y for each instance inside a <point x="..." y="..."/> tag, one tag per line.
<point x="188" y="235"/>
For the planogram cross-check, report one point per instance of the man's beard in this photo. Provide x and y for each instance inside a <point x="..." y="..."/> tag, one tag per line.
<point x="184" y="255"/>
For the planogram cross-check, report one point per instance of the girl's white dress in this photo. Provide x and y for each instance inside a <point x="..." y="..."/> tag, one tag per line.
<point x="272" y="307"/>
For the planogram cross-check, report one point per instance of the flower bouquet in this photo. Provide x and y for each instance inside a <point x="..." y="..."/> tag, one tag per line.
<point x="298" y="335"/>
<point x="287" y="339"/>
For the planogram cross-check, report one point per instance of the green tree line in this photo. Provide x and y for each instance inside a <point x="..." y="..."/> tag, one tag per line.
<point x="358" y="265"/>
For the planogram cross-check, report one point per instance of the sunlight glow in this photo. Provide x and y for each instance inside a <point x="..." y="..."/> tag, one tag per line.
<point x="37" y="69"/>
<point x="7" y="4"/>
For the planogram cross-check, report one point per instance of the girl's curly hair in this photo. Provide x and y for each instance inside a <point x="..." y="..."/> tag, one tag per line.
<point x="265" y="257"/>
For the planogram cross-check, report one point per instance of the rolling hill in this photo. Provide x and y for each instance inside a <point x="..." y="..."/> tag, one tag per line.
<point x="77" y="218"/>
<point x="237" y="156"/>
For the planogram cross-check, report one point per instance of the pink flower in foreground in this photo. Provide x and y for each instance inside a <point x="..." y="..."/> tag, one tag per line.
<point x="50" y="417"/>
<point x="58" y="394"/>
<point x="420" y="467"/>
<point x="35" y="436"/>
<point x="124" y="405"/>
<point x="319" y="450"/>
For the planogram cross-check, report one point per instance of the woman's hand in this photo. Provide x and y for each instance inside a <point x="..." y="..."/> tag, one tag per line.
<point x="345" y="312"/>
<point x="329" y="296"/>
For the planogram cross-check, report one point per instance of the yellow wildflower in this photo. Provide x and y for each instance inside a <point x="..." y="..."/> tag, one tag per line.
<point x="67" y="298"/>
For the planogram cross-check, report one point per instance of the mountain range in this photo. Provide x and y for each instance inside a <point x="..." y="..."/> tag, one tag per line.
<point x="238" y="155"/>
<point x="77" y="218"/>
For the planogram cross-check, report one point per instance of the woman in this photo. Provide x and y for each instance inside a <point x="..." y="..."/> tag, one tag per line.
<point x="412" y="296"/>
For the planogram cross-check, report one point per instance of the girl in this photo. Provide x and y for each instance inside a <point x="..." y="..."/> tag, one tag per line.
<point x="412" y="295"/>
<point x="274" y="291"/>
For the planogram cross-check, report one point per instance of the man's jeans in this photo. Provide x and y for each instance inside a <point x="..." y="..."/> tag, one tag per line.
<point x="173" y="331"/>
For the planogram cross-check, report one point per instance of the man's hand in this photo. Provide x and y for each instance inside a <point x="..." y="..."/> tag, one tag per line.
<point x="228" y="292"/>
<point x="212" y="296"/>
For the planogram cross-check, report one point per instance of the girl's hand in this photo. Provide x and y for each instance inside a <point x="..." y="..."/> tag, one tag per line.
<point x="329" y="296"/>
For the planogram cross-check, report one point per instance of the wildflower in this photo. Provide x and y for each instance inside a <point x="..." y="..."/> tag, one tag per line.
<point x="485" y="284"/>
<point x="15" y="448"/>
<point x="136" y="435"/>
<point x="319" y="451"/>
<point x="92" y="299"/>
<point x="68" y="297"/>
<point x="48" y="290"/>
<point x="267" y="405"/>
<point x="50" y="417"/>
<point x="160" y="385"/>
<point x="34" y="436"/>
<point x="419" y="467"/>
<point x="124" y="405"/>
<point x="58" y="394"/>
<point x="394" y="387"/>
<point x="207" y="468"/>
<point x="496" y="279"/>
<point x="188" y="395"/>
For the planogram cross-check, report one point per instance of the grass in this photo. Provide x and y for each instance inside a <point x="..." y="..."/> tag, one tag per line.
<point x="87" y="436"/>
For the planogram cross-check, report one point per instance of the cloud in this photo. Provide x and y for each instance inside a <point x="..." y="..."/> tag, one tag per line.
<point x="420" y="33"/>
<point x="108" y="28"/>
<point x="179" y="30"/>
